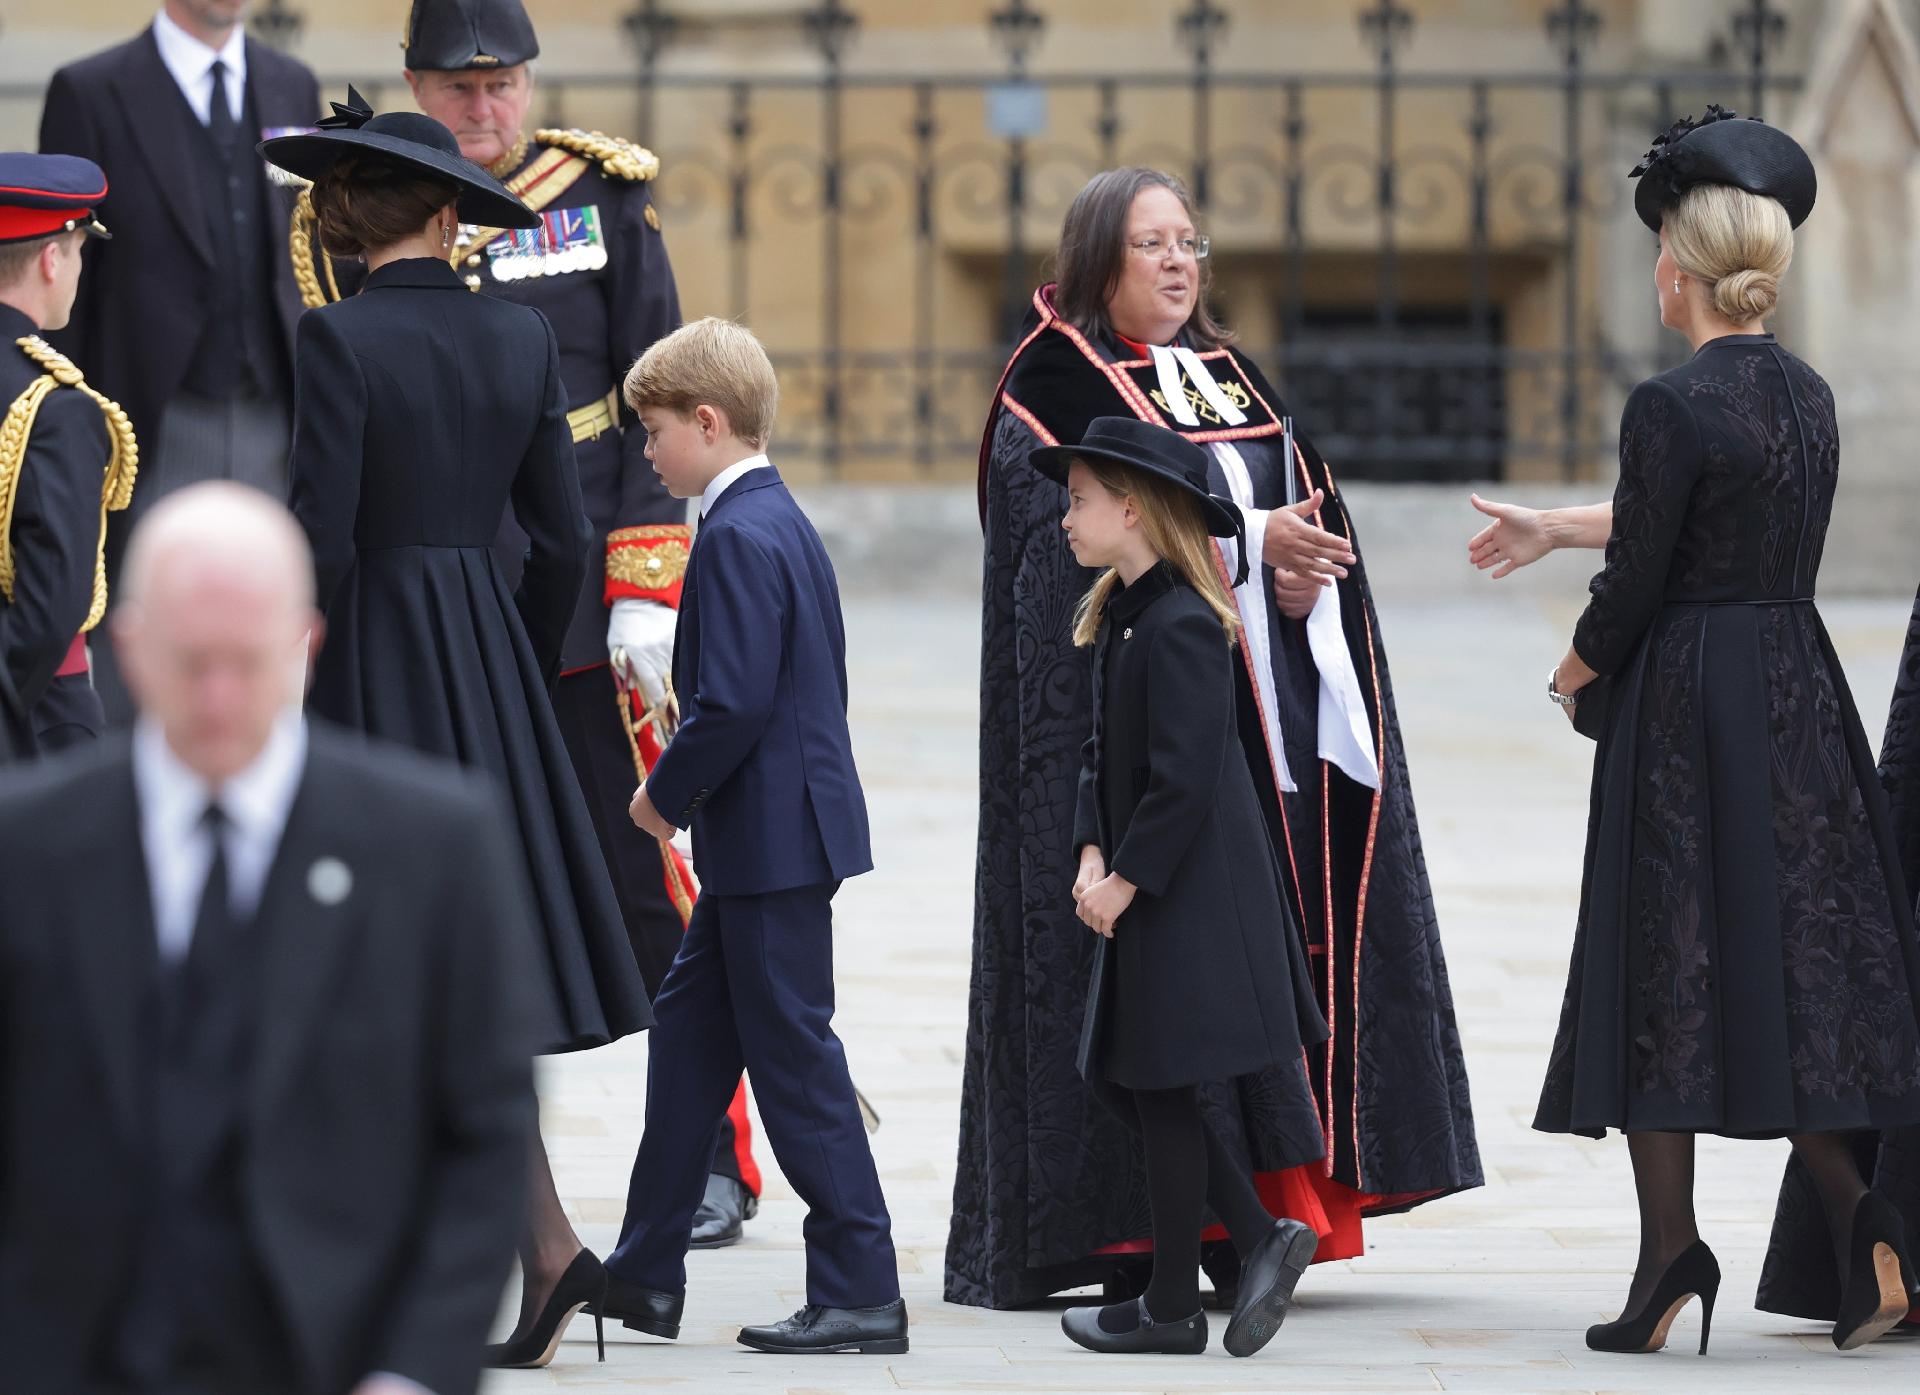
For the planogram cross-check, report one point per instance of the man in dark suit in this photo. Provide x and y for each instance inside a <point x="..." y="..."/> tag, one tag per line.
<point x="187" y="318"/>
<point x="762" y="769"/>
<point x="264" y="1084"/>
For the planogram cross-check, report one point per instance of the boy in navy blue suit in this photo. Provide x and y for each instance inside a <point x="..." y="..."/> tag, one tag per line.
<point x="762" y="769"/>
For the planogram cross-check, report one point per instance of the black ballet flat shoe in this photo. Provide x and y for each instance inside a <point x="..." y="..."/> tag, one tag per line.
<point x="1694" y="1274"/>
<point x="880" y="1331"/>
<point x="1187" y="1337"/>
<point x="1879" y="1275"/>
<point x="1266" y="1286"/>
<point x="581" y="1286"/>
<point x="723" y="1214"/>
<point x="650" y="1310"/>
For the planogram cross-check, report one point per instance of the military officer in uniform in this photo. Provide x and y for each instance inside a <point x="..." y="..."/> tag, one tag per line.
<point x="597" y="268"/>
<point x="67" y="457"/>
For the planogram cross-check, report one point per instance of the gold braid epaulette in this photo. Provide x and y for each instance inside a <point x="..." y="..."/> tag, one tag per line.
<point x="621" y="159"/>
<point x="16" y="432"/>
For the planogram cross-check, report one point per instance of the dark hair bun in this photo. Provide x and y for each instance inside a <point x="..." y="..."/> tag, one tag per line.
<point x="364" y="203"/>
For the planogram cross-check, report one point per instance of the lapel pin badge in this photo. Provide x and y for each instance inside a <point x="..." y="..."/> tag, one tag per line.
<point x="329" y="881"/>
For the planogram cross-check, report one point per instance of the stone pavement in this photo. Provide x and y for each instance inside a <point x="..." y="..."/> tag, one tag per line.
<point x="1490" y="1291"/>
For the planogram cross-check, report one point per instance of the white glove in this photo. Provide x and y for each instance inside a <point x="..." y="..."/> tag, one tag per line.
<point x="640" y="646"/>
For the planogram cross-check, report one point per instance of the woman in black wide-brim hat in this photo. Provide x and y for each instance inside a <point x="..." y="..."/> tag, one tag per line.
<point x="422" y="413"/>
<point x="1745" y="962"/>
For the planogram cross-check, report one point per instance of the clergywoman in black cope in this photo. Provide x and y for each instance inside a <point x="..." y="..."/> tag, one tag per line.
<point x="422" y="412"/>
<point x="1745" y="959"/>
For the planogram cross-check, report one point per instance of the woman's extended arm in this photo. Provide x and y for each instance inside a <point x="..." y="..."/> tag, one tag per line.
<point x="1519" y="535"/>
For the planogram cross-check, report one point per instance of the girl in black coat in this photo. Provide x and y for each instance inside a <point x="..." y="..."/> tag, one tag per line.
<point x="422" y="412"/>
<point x="1200" y="974"/>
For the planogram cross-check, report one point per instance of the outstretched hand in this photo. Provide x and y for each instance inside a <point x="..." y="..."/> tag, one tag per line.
<point x="1517" y="537"/>
<point x="1293" y="543"/>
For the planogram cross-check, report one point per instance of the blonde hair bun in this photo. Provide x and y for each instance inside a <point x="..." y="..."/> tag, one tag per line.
<point x="1746" y="295"/>
<point x="1739" y="244"/>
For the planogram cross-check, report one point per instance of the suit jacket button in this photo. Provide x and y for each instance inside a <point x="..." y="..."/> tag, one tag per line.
<point x="1127" y="633"/>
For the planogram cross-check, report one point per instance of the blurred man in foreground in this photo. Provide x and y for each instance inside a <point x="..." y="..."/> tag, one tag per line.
<point x="264" y="1081"/>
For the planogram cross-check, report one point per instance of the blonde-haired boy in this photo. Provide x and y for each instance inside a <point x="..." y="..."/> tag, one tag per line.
<point x="762" y="770"/>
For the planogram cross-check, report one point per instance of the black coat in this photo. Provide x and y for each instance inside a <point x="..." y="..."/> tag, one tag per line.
<point x="384" y="1140"/>
<point x="1745" y="960"/>
<point x="146" y="295"/>
<point x="421" y="411"/>
<point x="55" y="535"/>
<point x="1206" y="976"/>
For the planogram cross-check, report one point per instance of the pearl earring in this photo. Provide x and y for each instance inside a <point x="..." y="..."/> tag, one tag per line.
<point x="1676" y="285"/>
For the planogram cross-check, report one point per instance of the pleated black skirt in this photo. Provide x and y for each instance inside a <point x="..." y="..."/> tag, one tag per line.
<point x="425" y="648"/>
<point x="1745" y="959"/>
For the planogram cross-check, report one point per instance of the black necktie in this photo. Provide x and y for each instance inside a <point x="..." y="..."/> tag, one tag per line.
<point x="213" y="926"/>
<point x="220" y="123"/>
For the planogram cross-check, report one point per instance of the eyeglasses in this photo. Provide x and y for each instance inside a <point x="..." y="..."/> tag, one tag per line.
<point x="1155" y="247"/>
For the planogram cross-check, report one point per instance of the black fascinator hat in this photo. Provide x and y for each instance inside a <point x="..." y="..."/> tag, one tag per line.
<point x="406" y="138"/>
<point x="1723" y="147"/>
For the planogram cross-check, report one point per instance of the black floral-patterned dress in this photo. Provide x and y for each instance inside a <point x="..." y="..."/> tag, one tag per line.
<point x="1745" y="960"/>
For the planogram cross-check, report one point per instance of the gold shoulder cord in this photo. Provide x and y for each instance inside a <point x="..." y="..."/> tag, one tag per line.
<point x="307" y="268"/>
<point x="16" y="431"/>
<point x="621" y="159"/>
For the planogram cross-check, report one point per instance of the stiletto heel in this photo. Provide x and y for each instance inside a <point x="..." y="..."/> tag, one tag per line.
<point x="1695" y="1273"/>
<point x="1878" y="1270"/>
<point x="583" y="1284"/>
<point x="600" y="1332"/>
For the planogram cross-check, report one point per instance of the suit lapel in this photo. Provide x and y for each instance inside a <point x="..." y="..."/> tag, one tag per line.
<point x="157" y="113"/>
<point x="113" y="943"/>
<point x="313" y="899"/>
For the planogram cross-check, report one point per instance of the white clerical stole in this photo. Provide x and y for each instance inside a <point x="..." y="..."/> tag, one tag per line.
<point x="1345" y="738"/>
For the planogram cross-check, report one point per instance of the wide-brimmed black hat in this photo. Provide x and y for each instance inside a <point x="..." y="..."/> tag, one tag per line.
<point x="450" y="35"/>
<point x="406" y="138"/>
<point x="1153" y="450"/>
<point x="1724" y="148"/>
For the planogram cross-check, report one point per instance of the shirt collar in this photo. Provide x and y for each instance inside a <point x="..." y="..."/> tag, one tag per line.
<point x="256" y="799"/>
<point x="188" y="59"/>
<point x="711" y="495"/>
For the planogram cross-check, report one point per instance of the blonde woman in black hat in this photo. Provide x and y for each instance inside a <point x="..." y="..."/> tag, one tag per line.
<point x="422" y="412"/>
<point x="1200" y="973"/>
<point x="1745" y="962"/>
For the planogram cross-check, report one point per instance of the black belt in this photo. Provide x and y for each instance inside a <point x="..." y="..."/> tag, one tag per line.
<point x="1783" y="600"/>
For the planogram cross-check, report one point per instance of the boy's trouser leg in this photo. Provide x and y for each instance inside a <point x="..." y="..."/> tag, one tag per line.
<point x="693" y="1067"/>
<point x="779" y="951"/>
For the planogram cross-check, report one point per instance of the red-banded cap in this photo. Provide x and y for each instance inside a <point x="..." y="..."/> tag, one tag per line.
<point x="41" y="195"/>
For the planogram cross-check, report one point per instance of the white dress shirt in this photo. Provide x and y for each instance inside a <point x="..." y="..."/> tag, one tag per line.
<point x="191" y="63"/>
<point x="711" y="494"/>
<point x="179" y="847"/>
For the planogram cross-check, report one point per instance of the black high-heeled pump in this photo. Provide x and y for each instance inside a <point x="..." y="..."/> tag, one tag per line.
<point x="583" y="1283"/>
<point x="1879" y="1275"/>
<point x="1695" y="1273"/>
